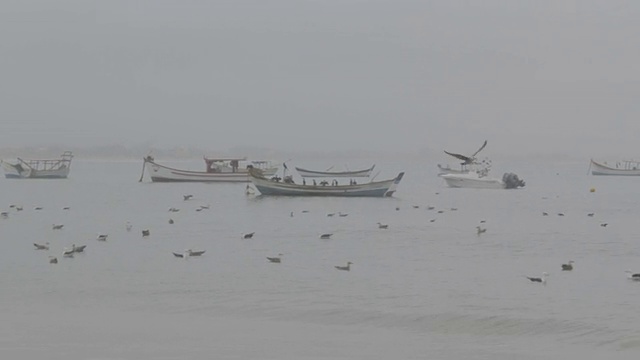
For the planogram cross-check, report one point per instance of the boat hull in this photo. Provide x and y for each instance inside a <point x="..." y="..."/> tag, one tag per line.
<point x="472" y="182"/>
<point x="161" y="173"/>
<point x="12" y="171"/>
<point x="384" y="188"/>
<point x="334" y="174"/>
<point x="602" y="169"/>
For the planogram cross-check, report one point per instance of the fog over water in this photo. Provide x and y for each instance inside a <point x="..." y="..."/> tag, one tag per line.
<point x="551" y="77"/>
<point x="320" y="84"/>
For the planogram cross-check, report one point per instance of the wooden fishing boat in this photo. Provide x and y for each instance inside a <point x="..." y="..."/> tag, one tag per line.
<point x="217" y="170"/>
<point x="39" y="169"/>
<point x="335" y="174"/>
<point x="621" y="168"/>
<point x="287" y="187"/>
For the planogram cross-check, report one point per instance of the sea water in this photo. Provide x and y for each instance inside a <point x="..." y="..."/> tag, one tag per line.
<point x="428" y="287"/>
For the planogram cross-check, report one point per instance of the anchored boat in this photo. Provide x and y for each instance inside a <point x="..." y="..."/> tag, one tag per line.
<point x="287" y="187"/>
<point x="335" y="174"/>
<point x="623" y="168"/>
<point x="217" y="170"/>
<point x="39" y="169"/>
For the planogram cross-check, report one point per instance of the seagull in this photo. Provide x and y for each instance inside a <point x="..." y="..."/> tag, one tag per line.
<point x="483" y="221"/>
<point x="184" y="255"/>
<point x="325" y="236"/>
<point x="345" y="268"/>
<point x="79" y="249"/>
<point x="128" y="226"/>
<point x="542" y="279"/>
<point x="632" y="276"/>
<point x="57" y="227"/>
<point x="545" y="213"/>
<point x="187" y="197"/>
<point x="66" y="208"/>
<point x="383" y="226"/>
<point x="430" y="207"/>
<point x="18" y="208"/>
<point x="195" y="253"/>
<point x="53" y="260"/>
<point x="480" y="230"/>
<point x="170" y="221"/>
<point x="102" y="237"/>
<point x="590" y="214"/>
<point x="305" y="211"/>
<point x="416" y="206"/>
<point x="467" y="160"/>
<point x="275" y="259"/>
<point x="397" y="208"/>
<point x="342" y="214"/>
<point x="41" y="247"/>
<point x="205" y="207"/>
<point x="173" y="209"/>
<point x="432" y="220"/>
<point x="568" y="266"/>
<point x="4" y="214"/>
<point x="560" y="214"/>
<point x="604" y="224"/>
<point x="69" y="253"/>
<point x="454" y="209"/>
<point x="440" y="211"/>
<point x="248" y="236"/>
<point x="145" y="233"/>
<point x="37" y="208"/>
<point x="291" y="214"/>
<point x="331" y="214"/>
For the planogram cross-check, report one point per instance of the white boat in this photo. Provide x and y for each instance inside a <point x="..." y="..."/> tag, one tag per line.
<point x="217" y="170"/>
<point x="335" y="174"/>
<point x="477" y="180"/>
<point x="622" y="168"/>
<point x="39" y="169"/>
<point x="287" y="187"/>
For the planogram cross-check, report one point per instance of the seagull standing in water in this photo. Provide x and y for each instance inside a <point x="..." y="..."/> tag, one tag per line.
<point x="480" y="230"/>
<point x="41" y="247"/>
<point x="632" y="276"/>
<point x="275" y="259"/>
<point x="344" y="268"/>
<point x="383" y="226"/>
<point x="542" y="279"/>
<point x="248" y="236"/>
<point x="568" y="266"/>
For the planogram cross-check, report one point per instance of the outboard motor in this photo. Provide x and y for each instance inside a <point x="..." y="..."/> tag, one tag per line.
<point x="512" y="181"/>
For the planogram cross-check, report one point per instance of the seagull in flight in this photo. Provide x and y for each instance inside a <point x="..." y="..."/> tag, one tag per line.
<point x="467" y="160"/>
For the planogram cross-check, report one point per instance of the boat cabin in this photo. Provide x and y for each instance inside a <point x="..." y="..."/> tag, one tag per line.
<point x="223" y="165"/>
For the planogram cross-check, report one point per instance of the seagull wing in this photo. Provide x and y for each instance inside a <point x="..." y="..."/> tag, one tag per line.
<point x="461" y="157"/>
<point x="481" y="147"/>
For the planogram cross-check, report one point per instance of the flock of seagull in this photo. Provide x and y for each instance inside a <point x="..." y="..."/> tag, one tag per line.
<point x="69" y="253"/>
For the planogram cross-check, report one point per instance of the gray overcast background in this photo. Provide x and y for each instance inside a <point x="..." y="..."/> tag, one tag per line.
<point x="530" y="76"/>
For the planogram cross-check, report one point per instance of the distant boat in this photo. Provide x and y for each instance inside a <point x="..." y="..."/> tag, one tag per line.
<point x="39" y="169"/>
<point x="335" y="174"/>
<point x="216" y="170"/>
<point x="621" y="168"/>
<point x="474" y="180"/>
<point x="288" y="188"/>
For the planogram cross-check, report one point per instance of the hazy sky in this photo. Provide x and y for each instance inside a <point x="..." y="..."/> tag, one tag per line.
<point x="529" y="76"/>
